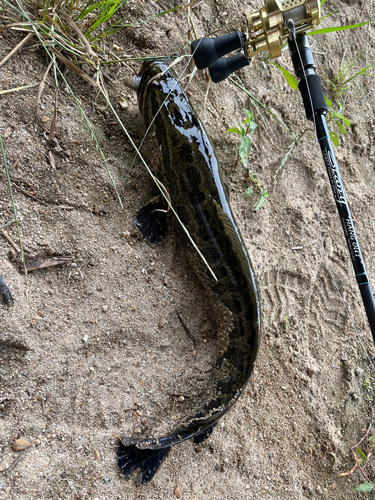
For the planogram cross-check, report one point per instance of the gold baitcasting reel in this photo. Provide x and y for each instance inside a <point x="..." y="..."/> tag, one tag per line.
<point x="267" y="28"/>
<point x="271" y="22"/>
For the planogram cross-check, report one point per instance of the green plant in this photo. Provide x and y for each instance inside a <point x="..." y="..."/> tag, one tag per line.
<point x="257" y="186"/>
<point x="245" y="144"/>
<point x="337" y="118"/>
<point x="369" y="388"/>
<point x="345" y="75"/>
<point x="362" y="453"/>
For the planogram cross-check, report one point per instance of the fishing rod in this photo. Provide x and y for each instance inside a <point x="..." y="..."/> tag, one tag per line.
<point x="268" y="29"/>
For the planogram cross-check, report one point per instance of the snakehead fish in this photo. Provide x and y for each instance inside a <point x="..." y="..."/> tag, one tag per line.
<point x="192" y="177"/>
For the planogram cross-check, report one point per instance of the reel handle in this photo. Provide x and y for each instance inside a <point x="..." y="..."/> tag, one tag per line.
<point x="206" y="51"/>
<point x="224" y="66"/>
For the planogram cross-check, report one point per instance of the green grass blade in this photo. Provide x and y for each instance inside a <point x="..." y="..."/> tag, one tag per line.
<point x="330" y="14"/>
<point x="360" y="72"/>
<point x="335" y="28"/>
<point x="289" y="78"/>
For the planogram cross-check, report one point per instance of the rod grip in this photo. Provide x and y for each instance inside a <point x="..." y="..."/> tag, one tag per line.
<point x="313" y="99"/>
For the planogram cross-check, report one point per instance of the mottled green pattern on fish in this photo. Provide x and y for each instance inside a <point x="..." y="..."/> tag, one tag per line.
<point x="192" y="177"/>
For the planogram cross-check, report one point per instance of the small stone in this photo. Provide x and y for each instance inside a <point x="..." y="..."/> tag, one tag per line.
<point x="144" y="420"/>
<point x="20" y="444"/>
<point x="181" y="398"/>
<point x="91" y="491"/>
<point x="11" y="254"/>
<point x="37" y="442"/>
<point x="199" y="449"/>
<point x="194" y="353"/>
<point x="96" y="454"/>
<point x="123" y="104"/>
<point x="177" y="492"/>
<point x="45" y="119"/>
<point x="8" y="132"/>
<point x="105" y="308"/>
<point x="137" y="431"/>
<point x="358" y="371"/>
<point x="161" y="323"/>
<point x="312" y="370"/>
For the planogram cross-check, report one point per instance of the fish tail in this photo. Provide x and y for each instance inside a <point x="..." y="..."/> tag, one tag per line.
<point x="130" y="458"/>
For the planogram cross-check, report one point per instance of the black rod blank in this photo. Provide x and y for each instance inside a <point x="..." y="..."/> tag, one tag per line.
<point x="316" y="109"/>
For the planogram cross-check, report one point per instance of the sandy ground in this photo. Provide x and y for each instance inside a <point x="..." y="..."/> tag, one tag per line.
<point x="94" y="350"/>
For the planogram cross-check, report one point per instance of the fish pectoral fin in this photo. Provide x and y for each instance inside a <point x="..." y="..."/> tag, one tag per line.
<point x="130" y="458"/>
<point x="205" y="434"/>
<point x="151" y="220"/>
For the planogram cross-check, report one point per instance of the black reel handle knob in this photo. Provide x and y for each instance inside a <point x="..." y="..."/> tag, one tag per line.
<point x="206" y="51"/>
<point x="227" y="65"/>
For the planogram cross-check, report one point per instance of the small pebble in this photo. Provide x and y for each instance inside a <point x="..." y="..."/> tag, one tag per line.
<point x="20" y="444"/>
<point x="11" y="254"/>
<point x="96" y="454"/>
<point x="358" y="371"/>
<point x="199" y="449"/>
<point x="161" y="323"/>
<point x="105" y="308"/>
<point x="312" y="370"/>
<point x="177" y="492"/>
<point x="144" y="420"/>
<point x="181" y="398"/>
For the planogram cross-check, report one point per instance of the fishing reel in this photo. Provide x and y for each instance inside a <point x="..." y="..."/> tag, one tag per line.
<point x="266" y="29"/>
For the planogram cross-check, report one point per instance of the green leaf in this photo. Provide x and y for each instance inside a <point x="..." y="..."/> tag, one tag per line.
<point x="328" y="102"/>
<point x="289" y="78"/>
<point x="361" y="454"/>
<point x="250" y="117"/>
<point x="260" y="203"/>
<point x="364" y="487"/>
<point x="342" y="129"/>
<point x="249" y="191"/>
<point x="244" y="150"/>
<point x="336" y="28"/>
<point x="234" y="130"/>
<point x="371" y="438"/>
<point x="322" y="2"/>
<point x="334" y="138"/>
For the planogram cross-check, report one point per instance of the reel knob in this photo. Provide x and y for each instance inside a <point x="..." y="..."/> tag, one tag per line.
<point x="206" y="51"/>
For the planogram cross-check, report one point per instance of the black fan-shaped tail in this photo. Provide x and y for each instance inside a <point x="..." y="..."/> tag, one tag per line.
<point x="130" y="458"/>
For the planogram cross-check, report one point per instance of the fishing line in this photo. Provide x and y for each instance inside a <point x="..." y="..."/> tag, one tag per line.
<point x="293" y="34"/>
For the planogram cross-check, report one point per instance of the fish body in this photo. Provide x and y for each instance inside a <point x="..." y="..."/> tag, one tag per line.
<point x="191" y="174"/>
